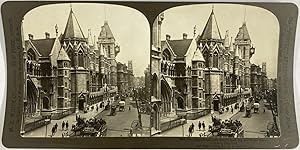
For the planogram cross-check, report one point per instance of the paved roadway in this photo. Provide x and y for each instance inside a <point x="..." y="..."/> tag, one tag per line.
<point x="182" y="131"/>
<point x="255" y="126"/>
<point x="119" y="125"/>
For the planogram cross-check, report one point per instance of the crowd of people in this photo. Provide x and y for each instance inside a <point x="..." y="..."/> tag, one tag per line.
<point x="227" y="124"/>
<point x="64" y="127"/>
<point x="201" y="127"/>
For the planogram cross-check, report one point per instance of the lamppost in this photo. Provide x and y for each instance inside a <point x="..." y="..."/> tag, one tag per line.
<point x="182" y="125"/>
<point x="47" y="120"/>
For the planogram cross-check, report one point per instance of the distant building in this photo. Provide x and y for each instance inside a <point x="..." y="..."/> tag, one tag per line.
<point x="272" y="84"/>
<point x="125" y="78"/>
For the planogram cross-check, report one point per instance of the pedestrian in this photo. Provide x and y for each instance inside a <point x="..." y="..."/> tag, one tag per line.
<point x="264" y="109"/>
<point x="55" y="127"/>
<point x="129" y="108"/>
<point x="53" y="131"/>
<point x="193" y="127"/>
<point x="67" y="125"/>
<point x="190" y="131"/>
<point x="199" y="125"/>
<point x="97" y="108"/>
<point x="63" y="125"/>
<point x="203" y="125"/>
<point x="231" y="110"/>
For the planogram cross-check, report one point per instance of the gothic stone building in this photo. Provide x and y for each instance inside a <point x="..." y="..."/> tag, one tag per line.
<point x="70" y="71"/>
<point x="199" y="73"/>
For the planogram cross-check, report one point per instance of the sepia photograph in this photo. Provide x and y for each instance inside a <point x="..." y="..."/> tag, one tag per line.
<point x="85" y="68"/>
<point x="214" y="72"/>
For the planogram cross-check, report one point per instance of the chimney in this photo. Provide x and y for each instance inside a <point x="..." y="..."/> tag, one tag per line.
<point x="47" y="35"/>
<point x="30" y="36"/>
<point x="168" y="37"/>
<point x="184" y="36"/>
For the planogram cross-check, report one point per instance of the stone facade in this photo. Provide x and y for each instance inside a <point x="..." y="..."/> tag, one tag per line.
<point x="198" y="73"/>
<point x="70" y="72"/>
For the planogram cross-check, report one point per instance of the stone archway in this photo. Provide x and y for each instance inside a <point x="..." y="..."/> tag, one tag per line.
<point x="180" y="102"/>
<point x="155" y="115"/>
<point x="166" y="96"/>
<point x="32" y="99"/>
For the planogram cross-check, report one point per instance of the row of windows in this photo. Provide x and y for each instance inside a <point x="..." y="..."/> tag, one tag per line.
<point x="195" y="93"/>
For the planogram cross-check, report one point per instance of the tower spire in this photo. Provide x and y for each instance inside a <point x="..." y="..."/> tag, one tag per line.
<point x="245" y="15"/>
<point x="105" y="18"/>
<point x="71" y="6"/>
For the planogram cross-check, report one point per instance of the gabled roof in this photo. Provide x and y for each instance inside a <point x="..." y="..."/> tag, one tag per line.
<point x="43" y="46"/>
<point x="211" y="29"/>
<point x="179" y="47"/>
<point x="27" y="43"/>
<point x="243" y="33"/>
<point x="73" y="29"/>
<point x="62" y="55"/>
<point x="106" y="31"/>
<point x="198" y="56"/>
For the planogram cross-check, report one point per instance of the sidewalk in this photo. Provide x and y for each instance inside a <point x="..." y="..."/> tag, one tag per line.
<point x="179" y="131"/>
<point x="41" y="132"/>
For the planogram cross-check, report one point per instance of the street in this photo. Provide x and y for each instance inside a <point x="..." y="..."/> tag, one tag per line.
<point x="255" y="126"/>
<point x="118" y="125"/>
<point x="179" y="131"/>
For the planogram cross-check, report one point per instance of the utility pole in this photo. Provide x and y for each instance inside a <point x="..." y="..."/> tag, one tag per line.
<point x="138" y="108"/>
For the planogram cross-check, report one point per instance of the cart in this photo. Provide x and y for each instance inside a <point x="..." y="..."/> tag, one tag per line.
<point x="113" y="110"/>
<point x="121" y="105"/>
<point x="256" y="107"/>
<point x="248" y="112"/>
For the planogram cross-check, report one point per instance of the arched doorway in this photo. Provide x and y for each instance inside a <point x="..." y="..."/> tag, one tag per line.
<point x="81" y="102"/>
<point x="180" y="102"/>
<point x="46" y="103"/>
<point x="155" y="115"/>
<point x="31" y="104"/>
<point x="166" y="96"/>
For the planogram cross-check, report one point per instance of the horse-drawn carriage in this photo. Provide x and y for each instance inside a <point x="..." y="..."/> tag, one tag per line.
<point x="256" y="107"/>
<point x="113" y="110"/>
<point x="91" y="128"/>
<point x="121" y="105"/>
<point x="248" y="112"/>
<point x="226" y="129"/>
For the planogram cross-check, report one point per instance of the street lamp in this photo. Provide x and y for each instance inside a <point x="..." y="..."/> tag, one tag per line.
<point x="47" y="121"/>
<point x="182" y="125"/>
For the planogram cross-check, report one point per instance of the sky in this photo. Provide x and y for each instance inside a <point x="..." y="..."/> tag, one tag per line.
<point x="130" y="28"/>
<point x="262" y="25"/>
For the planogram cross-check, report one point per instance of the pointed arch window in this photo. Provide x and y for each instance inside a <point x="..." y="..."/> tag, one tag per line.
<point x="206" y="56"/>
<point x="244" y="53"/>
<point x="31" y="54"/>
<point x="70" y="54"/>
<point x="215" y="60"/>
<point x="166" y="55"/>
<point x="108" y="51"/>
<point x="80" y="59"/>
